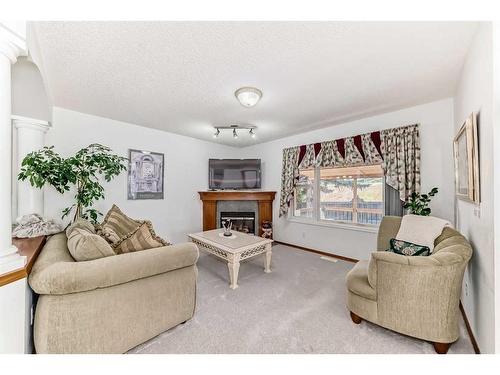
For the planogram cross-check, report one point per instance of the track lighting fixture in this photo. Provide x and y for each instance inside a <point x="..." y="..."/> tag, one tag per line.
<point x="251" y="130"/>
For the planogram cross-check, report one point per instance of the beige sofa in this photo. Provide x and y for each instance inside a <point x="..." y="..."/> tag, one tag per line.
<point x="417" y="296"/>
<point x="112" y="304"/>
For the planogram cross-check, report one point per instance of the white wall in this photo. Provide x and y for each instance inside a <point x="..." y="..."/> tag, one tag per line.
<point x="496" y="150"/>
<point x="475" y="94"/>
<point x="436" y="131"/>
<point x="29" y="98"/>
<point x="186" y="170"/>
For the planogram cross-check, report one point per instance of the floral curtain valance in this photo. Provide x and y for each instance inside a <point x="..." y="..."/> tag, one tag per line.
<point x="397" y="149"/>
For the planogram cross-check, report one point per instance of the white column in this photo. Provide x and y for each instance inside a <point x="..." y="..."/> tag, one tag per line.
<point x="11" y="47"/>
<point x="30" y="137"/>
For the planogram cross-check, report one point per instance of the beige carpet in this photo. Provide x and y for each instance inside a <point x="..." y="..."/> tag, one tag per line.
<point x="298" y="308"/>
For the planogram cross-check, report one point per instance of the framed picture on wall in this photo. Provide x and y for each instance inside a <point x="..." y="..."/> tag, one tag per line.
<point x="466" y="152"/>
<point x="145" y="175"/>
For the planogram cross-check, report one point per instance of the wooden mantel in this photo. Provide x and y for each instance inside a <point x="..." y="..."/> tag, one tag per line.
<point x="210" y="198"/>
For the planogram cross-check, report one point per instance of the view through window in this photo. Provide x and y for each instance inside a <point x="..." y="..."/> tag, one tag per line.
<point x="351" y="195"/>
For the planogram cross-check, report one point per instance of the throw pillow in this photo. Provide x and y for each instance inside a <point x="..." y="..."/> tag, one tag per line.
<point x="84" y="245"/>
<point x="116" y="225"/>
<point x="142" y="238"/>
<point x="408" y="248"/>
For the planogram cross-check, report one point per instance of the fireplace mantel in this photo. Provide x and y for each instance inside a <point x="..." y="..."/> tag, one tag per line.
<point x="210" y="198"/>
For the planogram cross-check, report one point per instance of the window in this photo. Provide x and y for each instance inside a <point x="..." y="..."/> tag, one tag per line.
<point x="347" y="195"/>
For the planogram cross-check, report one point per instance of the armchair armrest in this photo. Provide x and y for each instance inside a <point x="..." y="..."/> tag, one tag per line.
<point x="74" y="277"/>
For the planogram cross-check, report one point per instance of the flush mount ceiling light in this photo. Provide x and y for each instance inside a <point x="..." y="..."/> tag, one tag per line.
<point x="248" y="96"/>
<point x="251" y="130"/>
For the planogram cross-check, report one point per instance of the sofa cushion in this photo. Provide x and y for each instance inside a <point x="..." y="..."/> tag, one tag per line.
<point x="142" y="238"/>
<point x="357" y="281"/>
<point x="116" y="225"/>
<point x="85" y="245"/>
<point x="408" y="248"/>
<point x="80" y="223"/>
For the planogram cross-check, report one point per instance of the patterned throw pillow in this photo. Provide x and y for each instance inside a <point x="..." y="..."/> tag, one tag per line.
<point x="142" y="238"/>
<point x="408" y="248"/>
<point x="116" y="225"/>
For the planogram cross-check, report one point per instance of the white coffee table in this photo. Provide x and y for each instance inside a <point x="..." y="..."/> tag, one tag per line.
<point x="238" y="247"/>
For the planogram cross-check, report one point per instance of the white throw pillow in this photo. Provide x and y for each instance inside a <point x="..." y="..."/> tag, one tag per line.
<point x="421" y="230"/>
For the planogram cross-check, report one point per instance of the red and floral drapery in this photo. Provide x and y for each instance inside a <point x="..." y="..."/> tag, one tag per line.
<point x="397" y="149"/>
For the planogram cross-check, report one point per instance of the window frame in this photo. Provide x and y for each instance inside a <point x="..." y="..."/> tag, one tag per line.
<point x="316" y="216"/>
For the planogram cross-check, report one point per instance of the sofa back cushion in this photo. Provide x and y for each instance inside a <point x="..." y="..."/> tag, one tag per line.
<point x="85" y="245"/>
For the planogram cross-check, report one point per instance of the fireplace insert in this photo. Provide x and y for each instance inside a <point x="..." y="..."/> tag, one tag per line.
<point x="242" y="221"/>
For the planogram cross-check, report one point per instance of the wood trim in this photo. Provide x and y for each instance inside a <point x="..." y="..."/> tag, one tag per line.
<point x="12" y="276"/>
<point x="469" y="330"/>
<point x="28" y="247"/>
<point x="237" y="195"/>
<point x="347" y="259"/>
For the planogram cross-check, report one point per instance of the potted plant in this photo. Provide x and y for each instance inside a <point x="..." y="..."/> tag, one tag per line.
<point x="83" y="170"/>
<point x="418" y="204"/>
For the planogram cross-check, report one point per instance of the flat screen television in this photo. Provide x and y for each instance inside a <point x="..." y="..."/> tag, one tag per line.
<point x="233" y="174"/>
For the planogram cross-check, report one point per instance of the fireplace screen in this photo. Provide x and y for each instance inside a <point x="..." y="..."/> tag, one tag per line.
<point x="242" y="221"/>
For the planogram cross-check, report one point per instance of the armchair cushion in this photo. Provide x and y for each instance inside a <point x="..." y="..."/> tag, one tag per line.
<point x="357" y="281"/>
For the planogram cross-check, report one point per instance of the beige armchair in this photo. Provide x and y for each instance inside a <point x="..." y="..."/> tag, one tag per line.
<point x="416" y="296"/>
<point x="112" y="304"/>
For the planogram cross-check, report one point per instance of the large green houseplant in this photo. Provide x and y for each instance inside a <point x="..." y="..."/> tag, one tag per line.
<point x="83" y="170"/>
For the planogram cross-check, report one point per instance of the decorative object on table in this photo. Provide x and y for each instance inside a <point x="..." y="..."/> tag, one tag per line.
<point x="418" y="204"/>
<point x="34" y="225"/>
<point x="267" y="229"/>
<point x="81" y="170"/>
<point x="227" y="228"/>
<point x="466" y="150"/>
<point x="145" y="175"/>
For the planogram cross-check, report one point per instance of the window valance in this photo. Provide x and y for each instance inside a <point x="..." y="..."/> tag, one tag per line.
<point x="396" y="149"/>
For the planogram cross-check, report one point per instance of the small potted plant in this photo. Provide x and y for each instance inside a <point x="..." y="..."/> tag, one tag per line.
<point x="418" y="204"/>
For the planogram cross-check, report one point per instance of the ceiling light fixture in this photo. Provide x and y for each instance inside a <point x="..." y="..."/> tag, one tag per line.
<point x="234" y="128"/>
<point x="248" y="96"/>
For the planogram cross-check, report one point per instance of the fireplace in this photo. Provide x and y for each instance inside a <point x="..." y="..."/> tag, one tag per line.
<point x="216" y="202"/>
<point x="242" y="221"/>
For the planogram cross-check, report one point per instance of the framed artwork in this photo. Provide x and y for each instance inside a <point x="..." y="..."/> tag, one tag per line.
<point x="145" y="175"/>
<point x="466" y="152"/>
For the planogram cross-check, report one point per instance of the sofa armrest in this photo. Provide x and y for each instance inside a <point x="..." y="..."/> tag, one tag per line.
<point x="74" y="277"/>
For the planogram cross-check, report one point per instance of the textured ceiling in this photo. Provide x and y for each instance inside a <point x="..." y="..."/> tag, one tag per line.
<point x="181" y="76"/>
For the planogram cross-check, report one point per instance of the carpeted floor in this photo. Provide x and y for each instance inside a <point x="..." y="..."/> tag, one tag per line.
<point x="298" y="308"/>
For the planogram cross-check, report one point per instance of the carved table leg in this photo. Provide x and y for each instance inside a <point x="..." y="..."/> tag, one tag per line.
<point x="234" y="267"/>
<point x="441" y="348"/>
<point x="267" y="266"/>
